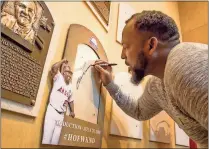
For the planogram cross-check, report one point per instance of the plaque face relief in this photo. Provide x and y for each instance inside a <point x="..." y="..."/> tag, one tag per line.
<point x="26" y="31"/>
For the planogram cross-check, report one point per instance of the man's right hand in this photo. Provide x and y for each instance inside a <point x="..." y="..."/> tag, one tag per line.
<point x="105" y="72"/>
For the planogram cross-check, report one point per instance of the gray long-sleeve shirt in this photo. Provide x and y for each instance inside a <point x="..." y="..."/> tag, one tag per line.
<point x="183" y="93"/>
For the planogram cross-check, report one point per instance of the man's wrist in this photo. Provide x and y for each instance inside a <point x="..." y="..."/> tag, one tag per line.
<point x="109" y="80"/>
<point x="112" y="87"/>
<point x="105" y="84"/>
<point x="109" y="84"/>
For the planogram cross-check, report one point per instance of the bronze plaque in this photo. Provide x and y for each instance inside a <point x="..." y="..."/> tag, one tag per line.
<point x="76" y="132"/>
<point x="26" y="31"/>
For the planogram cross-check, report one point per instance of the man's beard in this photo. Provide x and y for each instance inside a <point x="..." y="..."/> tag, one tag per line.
<point x="139" y="73"/>
<point x="137" y="76"/>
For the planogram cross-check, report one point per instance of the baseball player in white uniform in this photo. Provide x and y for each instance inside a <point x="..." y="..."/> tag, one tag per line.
<point x="60" y="98"/>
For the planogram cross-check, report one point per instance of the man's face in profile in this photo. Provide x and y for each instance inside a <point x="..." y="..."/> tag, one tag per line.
<point x="25" y="12"/>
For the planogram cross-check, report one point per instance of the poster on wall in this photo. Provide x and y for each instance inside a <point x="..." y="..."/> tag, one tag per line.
<point x="125" y="12"/>
<point x="181" y="137"/>
<point x="26" y="32"/>
<point x="102" y="10"/>
<point x="121" y="123"/>
<point x="73" y="112"/>
<point x="160" y="128"/>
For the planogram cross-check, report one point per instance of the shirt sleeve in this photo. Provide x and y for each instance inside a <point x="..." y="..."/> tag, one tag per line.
<point x="57" y="77"/>
<point x="143" y="108"/>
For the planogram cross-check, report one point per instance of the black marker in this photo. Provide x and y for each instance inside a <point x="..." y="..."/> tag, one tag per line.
<point x="110" y="64"/>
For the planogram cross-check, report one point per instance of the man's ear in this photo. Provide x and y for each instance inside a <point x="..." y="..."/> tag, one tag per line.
<point x="153" y="42"/>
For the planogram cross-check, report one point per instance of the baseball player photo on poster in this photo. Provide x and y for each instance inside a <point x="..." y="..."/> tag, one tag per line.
<point x="73" y="114"/>
<point x="60" y="99"/>
<point x="67" y="88"/>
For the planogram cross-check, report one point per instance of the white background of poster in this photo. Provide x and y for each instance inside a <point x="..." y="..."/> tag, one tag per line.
<point x="121" y="123"/>
<point x="125" y="12"/>
<point x="86" y="98"/>
<point x="181" y="137"/>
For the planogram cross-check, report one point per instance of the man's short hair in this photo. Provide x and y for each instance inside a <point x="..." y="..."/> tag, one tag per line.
<point x="160" y="24"/>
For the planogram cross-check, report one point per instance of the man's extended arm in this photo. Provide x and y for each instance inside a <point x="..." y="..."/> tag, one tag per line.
<point x="143" y="108"/>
